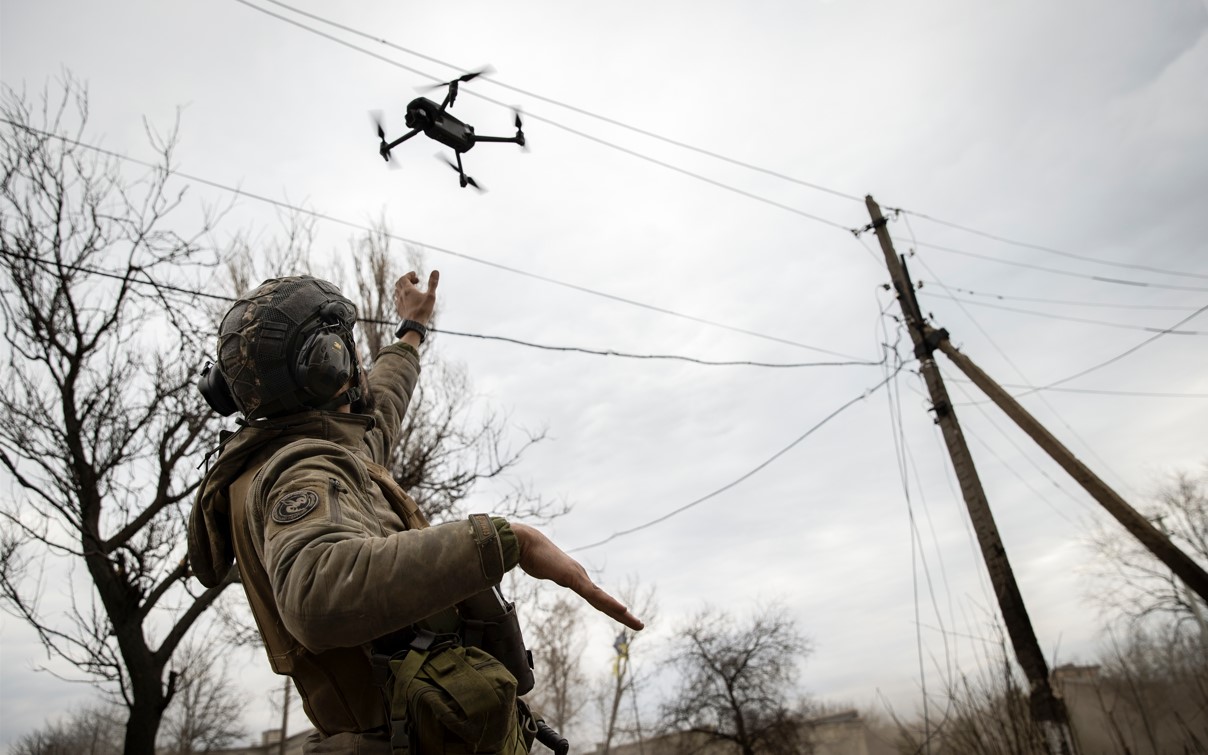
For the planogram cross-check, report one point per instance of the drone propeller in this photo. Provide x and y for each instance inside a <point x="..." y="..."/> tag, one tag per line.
<point x="465" y="180"/>
<point x="520" y="131"/>
<point x="464" y="77"/>
<point x="376" y="117"/>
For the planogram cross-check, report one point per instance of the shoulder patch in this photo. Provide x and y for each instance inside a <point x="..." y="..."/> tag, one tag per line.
<point x="294" y="506"/>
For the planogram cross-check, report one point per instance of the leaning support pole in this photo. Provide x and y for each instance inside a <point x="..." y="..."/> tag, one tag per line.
<point x="1186" y="569"/>
<point x="1047" y="710"/>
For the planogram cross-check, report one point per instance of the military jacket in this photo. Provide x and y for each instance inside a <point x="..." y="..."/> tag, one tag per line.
<point x="332" y="554"/>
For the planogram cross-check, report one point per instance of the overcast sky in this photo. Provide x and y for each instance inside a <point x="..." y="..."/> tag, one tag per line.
<point x="1076" y="126"/>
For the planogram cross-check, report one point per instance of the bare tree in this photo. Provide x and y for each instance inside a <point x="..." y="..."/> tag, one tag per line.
<point x="738" y="681"/>
<point x="101" y="427"/>
<point x="1150" y="693"/>
<point x="1135" y="580"/>
<point x="1147" y="693"/>
<point x="557" y="642"/>
<point x="249" y="261"/>
<point x="625" y="679"/>
<point x="207" y="710"/>
<point x="987" y="714"/>
<point x="91" y="731"/>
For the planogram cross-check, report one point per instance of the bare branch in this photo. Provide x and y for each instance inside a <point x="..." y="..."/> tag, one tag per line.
<point x="98" y="415"/>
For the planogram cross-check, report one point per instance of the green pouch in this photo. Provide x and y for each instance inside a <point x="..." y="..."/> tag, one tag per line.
<point x="448" y="699"/>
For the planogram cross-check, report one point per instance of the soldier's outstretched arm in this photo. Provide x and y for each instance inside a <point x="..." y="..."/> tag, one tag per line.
<point x="540" y="558"/>
<point x="396" y="367"/>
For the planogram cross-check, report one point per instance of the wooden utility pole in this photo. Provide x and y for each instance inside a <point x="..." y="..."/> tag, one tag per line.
<point x="1154" y="539"/>
<point x="1046" y="708"/>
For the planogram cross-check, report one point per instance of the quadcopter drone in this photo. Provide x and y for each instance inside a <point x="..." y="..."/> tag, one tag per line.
<point x="435" y="121"/>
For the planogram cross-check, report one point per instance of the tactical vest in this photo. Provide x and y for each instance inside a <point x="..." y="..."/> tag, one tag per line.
<point x="363" y="689"/>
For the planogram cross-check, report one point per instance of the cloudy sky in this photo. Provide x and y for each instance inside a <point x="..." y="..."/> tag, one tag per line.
<point x="693" y="173"/>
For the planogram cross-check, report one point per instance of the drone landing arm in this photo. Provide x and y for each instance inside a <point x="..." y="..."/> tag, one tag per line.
<point x="461" y="171"/>
<point x="463" y="179"/>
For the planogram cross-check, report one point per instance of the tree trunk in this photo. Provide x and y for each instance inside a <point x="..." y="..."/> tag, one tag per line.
<point x="142" y="728"/>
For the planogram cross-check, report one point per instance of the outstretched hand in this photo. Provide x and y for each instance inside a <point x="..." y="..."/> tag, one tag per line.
<point x="540" y="558"/>
<point x="410" y="302"/>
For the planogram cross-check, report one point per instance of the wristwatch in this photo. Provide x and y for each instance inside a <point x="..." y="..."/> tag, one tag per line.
<point x="412" y="325"/>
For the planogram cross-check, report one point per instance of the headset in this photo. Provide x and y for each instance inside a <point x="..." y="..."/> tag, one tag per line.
<point x="326" y="363"/>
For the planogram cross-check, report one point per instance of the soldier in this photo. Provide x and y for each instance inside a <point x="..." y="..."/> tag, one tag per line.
<point x="335" y="558"/>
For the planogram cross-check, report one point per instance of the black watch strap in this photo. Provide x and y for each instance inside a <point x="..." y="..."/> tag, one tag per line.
<point x="412" y="325"/>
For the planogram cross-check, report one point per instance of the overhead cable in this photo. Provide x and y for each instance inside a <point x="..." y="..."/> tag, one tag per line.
<point x="1119" y="356"/>
<point x="758" y="468"/>
<point x="1049" y="249"/>
<point x="1054" y="271"/>
<point x="1011" y="362"/>
<point x="612" y="353"/>
<point x="159" y="285"/>
<point x="1025" y="456"/>
<point x="572" y="108"/>
<point x="668" y="140"/>
<point x="461" y="255"/>
<point x="1070" y="318"/>
<point x="533" y="116"/>
<point x="1065" y="302"/>
<point x="677" y="143"/>
<point x="1092" y="391"/>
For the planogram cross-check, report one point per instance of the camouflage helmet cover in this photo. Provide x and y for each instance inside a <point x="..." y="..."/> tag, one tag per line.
<point x="262" y="333"/>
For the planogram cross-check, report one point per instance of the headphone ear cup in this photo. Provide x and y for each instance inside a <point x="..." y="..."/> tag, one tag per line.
<point x="324" y="366"/>
<point x="215" y="390"/>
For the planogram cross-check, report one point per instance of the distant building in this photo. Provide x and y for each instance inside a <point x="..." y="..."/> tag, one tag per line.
<point x="1143" y="716"/>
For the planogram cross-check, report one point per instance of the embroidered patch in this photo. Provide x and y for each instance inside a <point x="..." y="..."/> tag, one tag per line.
<point x="294" y="506"/>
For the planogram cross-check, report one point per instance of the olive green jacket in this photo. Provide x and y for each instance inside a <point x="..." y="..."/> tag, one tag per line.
<point x="332" y="553"/>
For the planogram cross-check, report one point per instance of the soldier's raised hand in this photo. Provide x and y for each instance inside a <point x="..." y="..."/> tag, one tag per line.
<point x="410" y="302"/>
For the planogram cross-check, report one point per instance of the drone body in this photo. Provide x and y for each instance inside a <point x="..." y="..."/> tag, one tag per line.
<point x="441" y="126"/>
<point x="435" y="122"/>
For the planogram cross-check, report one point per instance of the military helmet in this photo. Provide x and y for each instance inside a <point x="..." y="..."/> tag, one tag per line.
<point x="285" y="346"/>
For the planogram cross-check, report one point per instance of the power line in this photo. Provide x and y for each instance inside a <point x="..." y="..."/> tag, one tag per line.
<point x="1054" y="271"/>
<point x="573" y="108"/>
<point x="1094" y="391"/>
<point x="568" y="129"/>
<point x="917" y="552"/>
<point x="1049" y="249"/>
<point x="1071" y="318"/>
<point x="1040" y="470"/>
<point x="612" y="353"/>
<point x="442" y="250"/>
<point x="1067" y="302"/>
<point x="666" y="139"/>
<point x="1018" y="371"/>
<point x="1119" y="356"/>
<point x="159" y="285"/>
<point x="868" y="392"/>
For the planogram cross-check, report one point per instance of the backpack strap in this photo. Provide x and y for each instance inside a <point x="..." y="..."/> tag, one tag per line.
<point x="403" y="504"/>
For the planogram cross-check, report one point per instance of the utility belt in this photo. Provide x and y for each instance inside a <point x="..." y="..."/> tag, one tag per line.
<point x="458" y="692"/>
